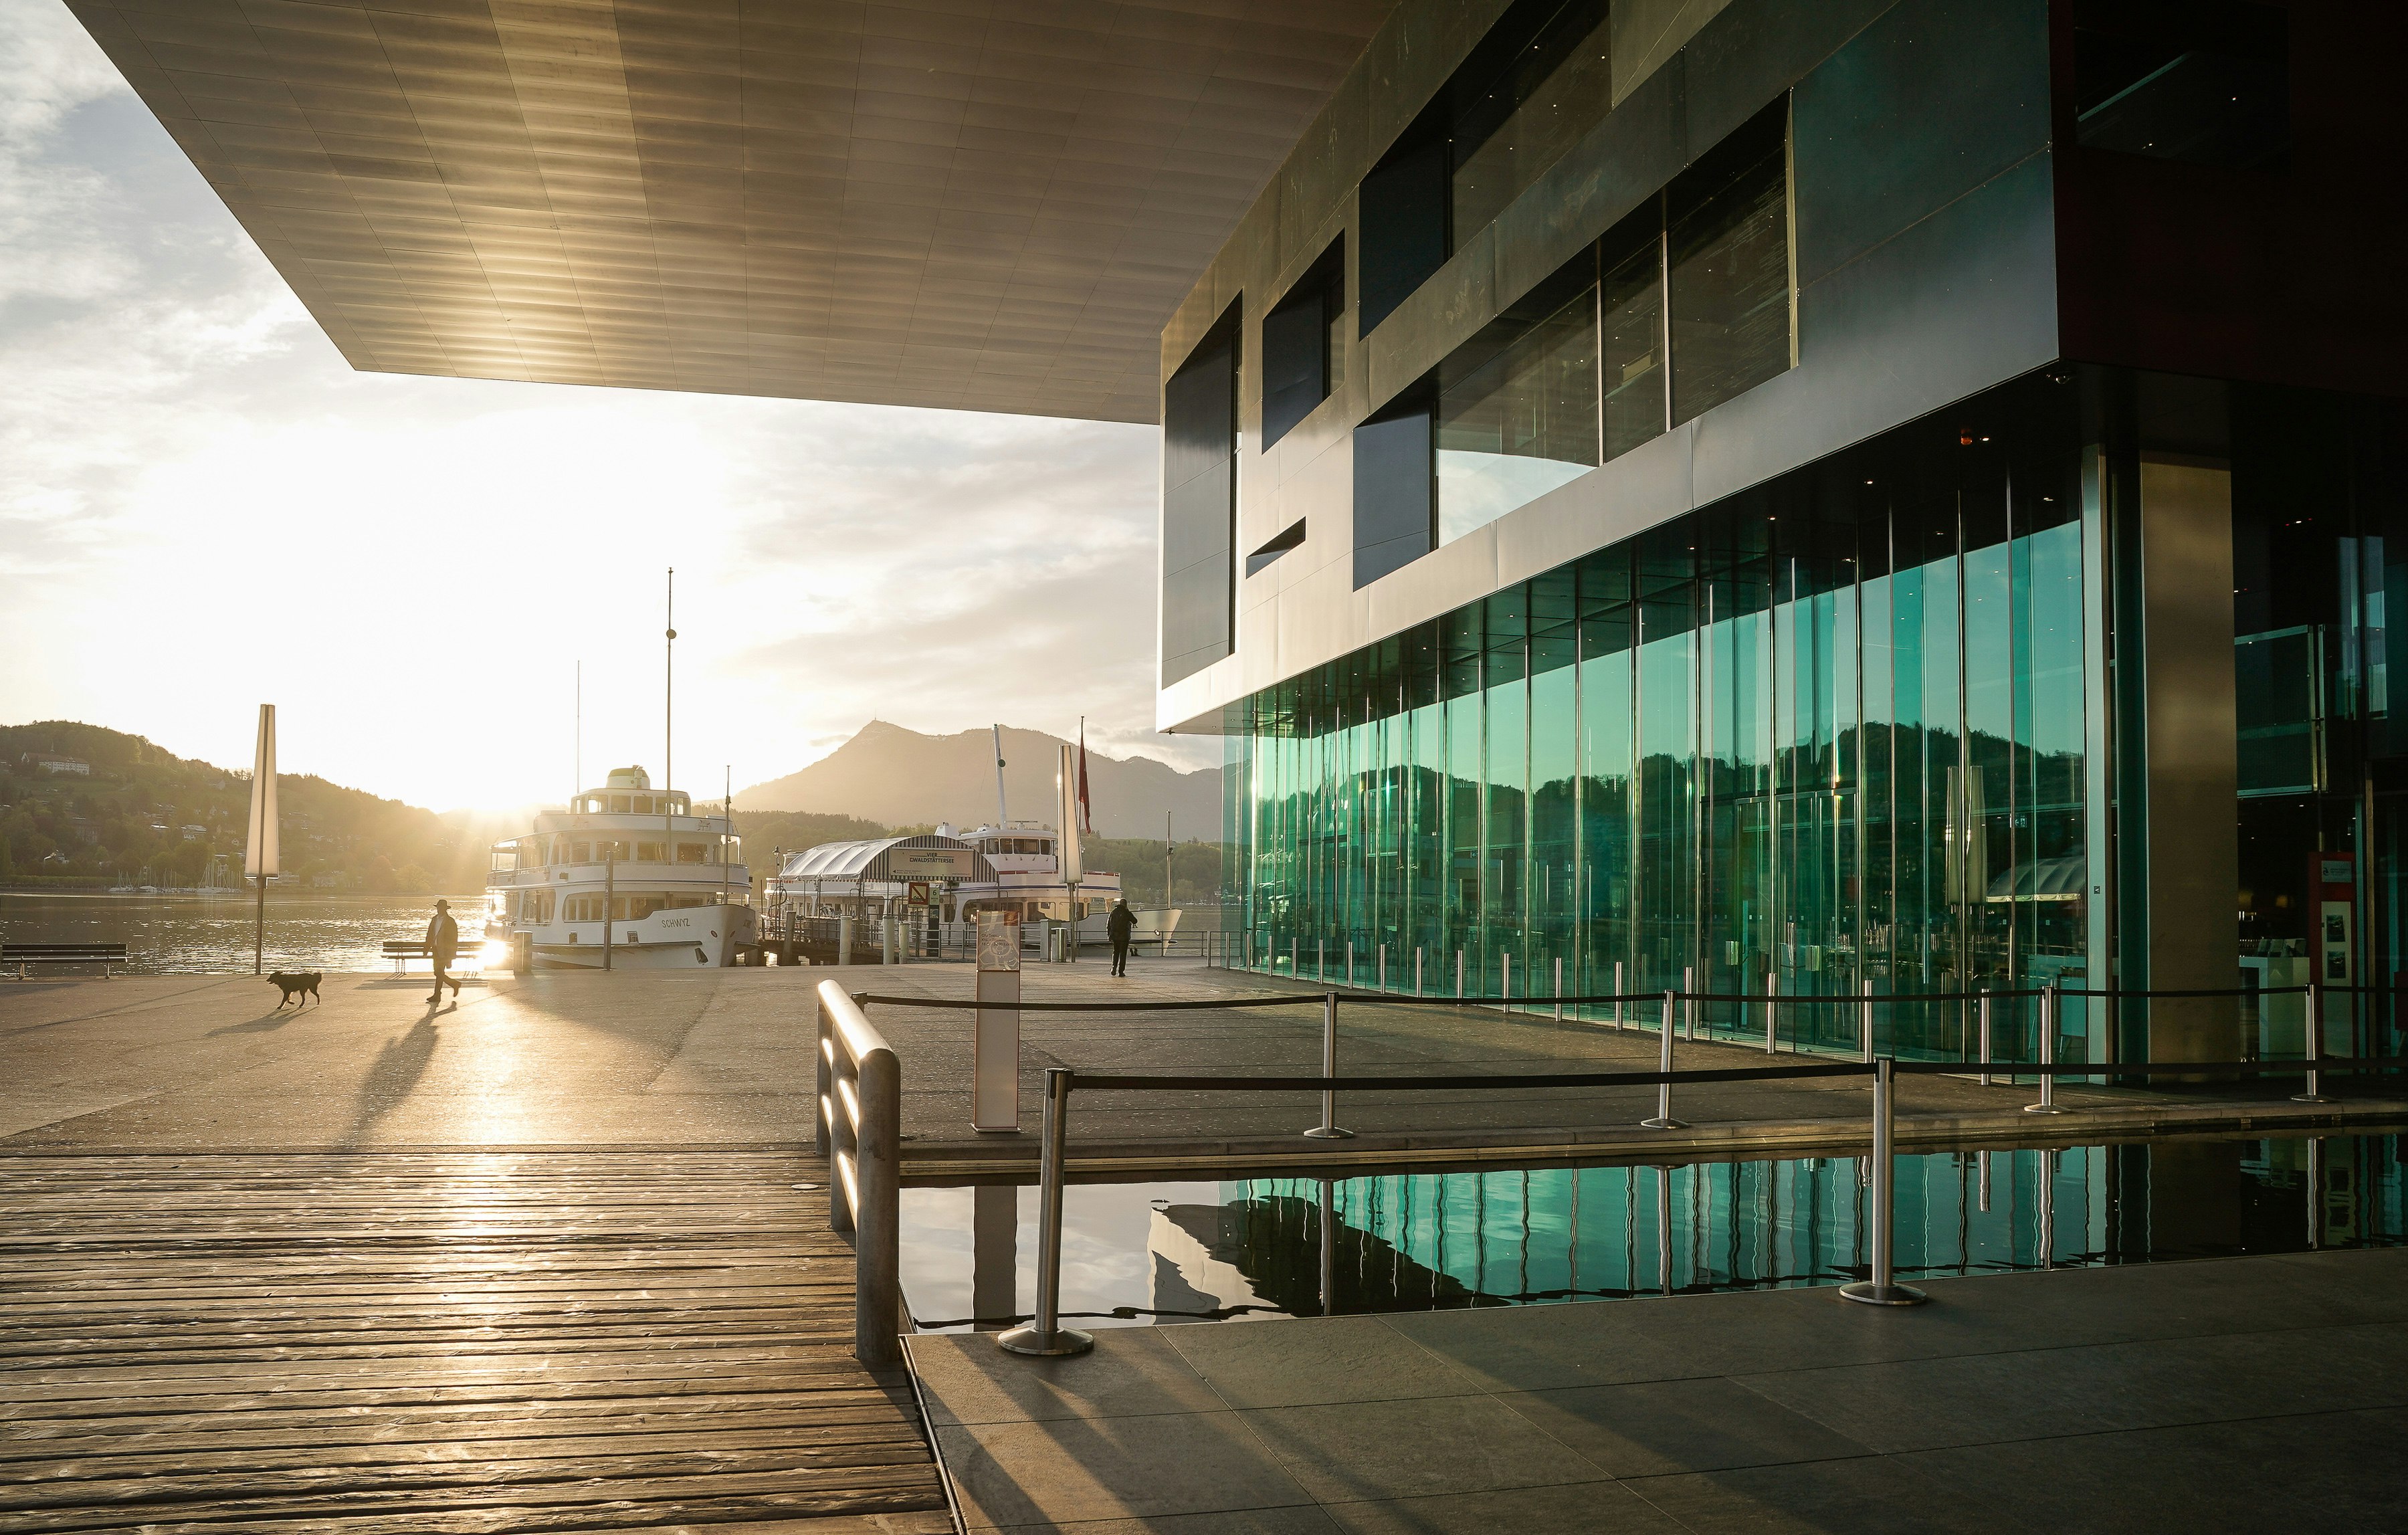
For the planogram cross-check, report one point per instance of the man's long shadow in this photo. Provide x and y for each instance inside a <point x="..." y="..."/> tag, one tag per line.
<point x="393" y="1074"/>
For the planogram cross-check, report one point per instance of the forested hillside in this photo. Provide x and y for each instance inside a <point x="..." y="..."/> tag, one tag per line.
<point x="145" y="816"/>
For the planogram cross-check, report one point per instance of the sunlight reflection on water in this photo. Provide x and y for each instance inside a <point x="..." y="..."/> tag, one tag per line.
<point x="212" y="934"/>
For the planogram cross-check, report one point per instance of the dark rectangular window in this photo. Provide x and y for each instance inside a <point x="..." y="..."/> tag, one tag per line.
<point x="1395" y="522"/>
<point x="2207" y="81"/>
<point x="1541" y="78"/>
<point x="1403" y="220"/>
<point x="1200" y="503"/>
<point x="1290" y="537"/>
<point x="1517" y="110"/>
<point x="1727" y="257"/>
<point x="1637" y="406"/>
<point x="1517" y="407"/>
<point x="1300" y="340"/>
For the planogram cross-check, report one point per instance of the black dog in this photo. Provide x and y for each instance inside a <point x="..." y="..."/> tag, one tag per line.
<point x="304" y="985"/>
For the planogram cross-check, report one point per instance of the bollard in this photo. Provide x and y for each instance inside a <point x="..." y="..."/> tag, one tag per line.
<point x="1882" y="1289"/>
<point x="1293" y="972"/>
<point x="1045" y="1337"/>
<point x="1984" y="1007"/>
<point x="1617" y="996"/>
<point x="1417" y="969"/>
<point x="2314" y="1091"/>
<point x="1350" y="964"/>
<point x="1459" y="977"/>
<point x="1772" y="1013"/>
<point x="1690" y="1005"/>
<point x="1328" y="1129"/>
<point x="2047" y="1104"/>
<point x="1384" y="967"/>
<point x="1505" y="985"/>
<point x="1867" y="1024"/>
<point x="1664" y="1120"/>
<point x="1559" y="989"/>
<point x="1321" y="959"/>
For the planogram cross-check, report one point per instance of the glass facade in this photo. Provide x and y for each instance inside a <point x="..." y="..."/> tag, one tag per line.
<point x="1826" y="734"/>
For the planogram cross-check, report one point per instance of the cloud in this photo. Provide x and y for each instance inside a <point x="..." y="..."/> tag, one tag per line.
<point x="203" y="508"/>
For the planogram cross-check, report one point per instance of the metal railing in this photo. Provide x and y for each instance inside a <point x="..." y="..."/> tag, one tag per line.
<point x="860" y="1132"/>
<point x="1044" y="1335"/>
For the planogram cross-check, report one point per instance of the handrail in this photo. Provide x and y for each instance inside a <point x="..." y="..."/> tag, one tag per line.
<point x="1044" y="1335"/>
<point x="859" y="1129"/>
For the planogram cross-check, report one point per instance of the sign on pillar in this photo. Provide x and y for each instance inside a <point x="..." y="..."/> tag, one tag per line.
<point x="995" y="1051"/>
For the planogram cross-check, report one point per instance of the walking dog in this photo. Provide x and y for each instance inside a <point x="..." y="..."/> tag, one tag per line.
<point x="304" y="985"/>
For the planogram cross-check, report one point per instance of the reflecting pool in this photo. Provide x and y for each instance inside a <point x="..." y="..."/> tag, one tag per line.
<point x="1139" y="1254"/>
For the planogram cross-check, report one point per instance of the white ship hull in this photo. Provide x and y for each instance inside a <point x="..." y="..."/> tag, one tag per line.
<point x="690" y="938"/>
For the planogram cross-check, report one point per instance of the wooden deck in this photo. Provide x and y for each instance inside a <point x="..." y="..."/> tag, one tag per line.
<point x="439" y="1341"/>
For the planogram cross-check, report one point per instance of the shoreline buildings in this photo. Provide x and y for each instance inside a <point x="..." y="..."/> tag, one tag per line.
<point x="1878" y="493"/>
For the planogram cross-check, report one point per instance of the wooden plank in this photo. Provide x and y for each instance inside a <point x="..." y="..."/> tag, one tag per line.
<point x="459" y="1343"/>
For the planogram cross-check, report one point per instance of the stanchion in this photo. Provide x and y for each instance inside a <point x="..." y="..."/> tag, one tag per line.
<point x="1505" y="986"/>
<point x="1867" y="1025"/>
<point x="1664" y="1120"/>
<point x="1328" y="1129"/>
<point x="1882" y="1289"/>
<point x="1046" y="1337"/>
<point x="1559" y="989"/>
<point x="1350" y="964"/>
<point x="1384" y="967"/>
<point x="1771" y="1012"/>
<point x="1459" y="977"/>
<point x="1984" y="1006"/>
<point x="2047" y="1104"/>
<point x="1321" y="959"/>
<point x="1690" y="1004"/>
<point x="2313" y="1091"/>
<point x="1617" y="996"/>
<point x="1417" y="969"/>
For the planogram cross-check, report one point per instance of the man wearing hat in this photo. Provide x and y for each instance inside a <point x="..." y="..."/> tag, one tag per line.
<point x="442" y="944"/>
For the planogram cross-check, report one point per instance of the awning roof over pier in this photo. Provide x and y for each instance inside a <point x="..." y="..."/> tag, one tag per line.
<point x="988" y="204"/>
<point x="868" y="860"/>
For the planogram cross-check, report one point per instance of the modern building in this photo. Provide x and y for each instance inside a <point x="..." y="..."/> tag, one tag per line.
<point x="1894" y="496"/>
<point x="1867" y="492"/>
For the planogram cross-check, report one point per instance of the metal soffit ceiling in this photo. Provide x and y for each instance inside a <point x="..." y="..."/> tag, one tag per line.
<point x="986" y="205"/>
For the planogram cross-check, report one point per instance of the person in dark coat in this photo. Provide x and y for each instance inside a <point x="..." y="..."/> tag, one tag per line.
<point x="1121" y="925"/>
<point x="443" y="946"/>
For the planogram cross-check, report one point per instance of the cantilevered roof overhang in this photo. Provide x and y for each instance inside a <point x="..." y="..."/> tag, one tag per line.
<point x="986" y="205"/>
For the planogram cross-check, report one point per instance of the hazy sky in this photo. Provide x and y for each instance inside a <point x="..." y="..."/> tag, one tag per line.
<point x="203" y="508"/>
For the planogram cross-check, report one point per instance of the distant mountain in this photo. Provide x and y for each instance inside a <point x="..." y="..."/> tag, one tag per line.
<point x="901" y="778"/>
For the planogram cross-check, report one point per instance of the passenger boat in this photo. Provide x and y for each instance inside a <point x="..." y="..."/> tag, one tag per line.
<point x="678" y="893"/>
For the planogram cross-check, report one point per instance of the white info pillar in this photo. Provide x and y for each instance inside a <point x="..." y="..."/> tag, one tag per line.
<point x="995" y="1053"/>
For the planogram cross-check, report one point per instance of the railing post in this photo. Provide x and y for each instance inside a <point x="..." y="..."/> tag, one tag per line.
<point x="2313" y="1091"/>
<point x="1617" y="996"/>
<point x="2047" y="1104"/>
<point x="1045" y="1337"/>
<point x="1559" y="988"/>
<point x="1382" y="984"/>
<point x="1417" y="969"/>
<point x="1664" y="1120"/>
<point x="1350" y="962"/>
<point x="1459" y="977"/>
<point x="877" y="1239"/>
<point x="1867" y="1024"/>
<point x="1984" y="1006"/>
<point x="1690" y="1004"/>
<point x="1505" y="988"/>
<point x="1321" y="959"/>
<point x="1771" y="1012"/>
<point x="1882" y="1289"/>
<point x="824" y="1099"/>
<point x="1328" y="1129"/>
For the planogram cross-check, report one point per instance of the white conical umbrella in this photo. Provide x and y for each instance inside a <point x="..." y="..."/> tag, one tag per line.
<point x="1072" y="867"/>
<point x="260" y="851"/>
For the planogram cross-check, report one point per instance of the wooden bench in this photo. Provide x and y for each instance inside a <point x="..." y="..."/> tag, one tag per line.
<point x="401" y="951"/>
<point x="25" y="955"/>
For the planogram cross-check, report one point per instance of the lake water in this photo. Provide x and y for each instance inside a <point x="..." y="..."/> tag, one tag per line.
<point x="212" y="934"/>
